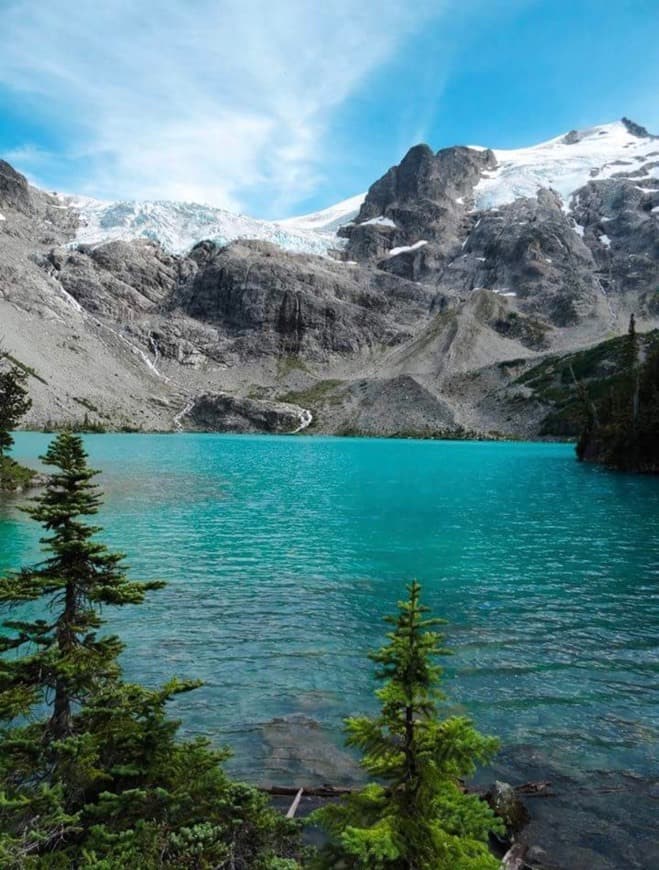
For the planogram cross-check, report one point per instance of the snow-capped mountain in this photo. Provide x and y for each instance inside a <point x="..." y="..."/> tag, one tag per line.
<point x="568" y="162"/>
<point x="454" y="262"/>
<point x="564" y="163"/>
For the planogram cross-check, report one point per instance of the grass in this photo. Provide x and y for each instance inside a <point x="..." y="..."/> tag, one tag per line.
<point x="318" y="393"/>
<point x="288" y="364"/>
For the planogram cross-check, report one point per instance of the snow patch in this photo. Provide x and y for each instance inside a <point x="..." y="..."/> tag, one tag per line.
<point x="403" y="249"/>
<point x="329" y="219"/>
<point x="380" y="221"/>
<point x="605" y="240"/>
<point x="2" y="217"/>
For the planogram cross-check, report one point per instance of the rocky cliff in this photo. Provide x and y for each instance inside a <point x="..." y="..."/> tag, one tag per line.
<point x="459" y="271"/>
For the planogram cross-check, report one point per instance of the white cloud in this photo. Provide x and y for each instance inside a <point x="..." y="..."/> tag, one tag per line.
<point x="207" y="100"/>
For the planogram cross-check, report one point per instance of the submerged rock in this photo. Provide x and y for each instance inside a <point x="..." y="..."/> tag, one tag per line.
<point x="300" y="751"/>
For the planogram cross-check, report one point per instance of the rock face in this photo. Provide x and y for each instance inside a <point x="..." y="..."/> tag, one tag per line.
<point x="14" y="190"/>
<point x="423" y="198"/>
<point x="461" y="270"/>
<point x="221" y="412"/>
<point x="271" y="302"/>
<point x="531" y="248"/>
<point x="621" y="226"/>
<point x="119" y="279"/>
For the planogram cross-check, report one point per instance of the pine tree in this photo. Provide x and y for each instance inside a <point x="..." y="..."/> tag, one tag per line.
<point x="418" y="815"/>
<point x="91" y="773"/>
<point x="68" y="659"/>
<point x="14" y="404"/>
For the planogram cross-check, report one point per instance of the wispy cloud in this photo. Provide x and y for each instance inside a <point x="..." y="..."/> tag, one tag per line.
<point x="207" y="100"/>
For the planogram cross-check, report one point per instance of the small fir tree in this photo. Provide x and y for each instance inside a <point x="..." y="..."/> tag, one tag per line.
<point x="14" y="404"/>
<point x="418" y="814"/>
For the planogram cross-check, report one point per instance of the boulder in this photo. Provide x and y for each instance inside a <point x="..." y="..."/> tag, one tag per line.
<point x="222" y="412"/>
<point x="507" y="805"/>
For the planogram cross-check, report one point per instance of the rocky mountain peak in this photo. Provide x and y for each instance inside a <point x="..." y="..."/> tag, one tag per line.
<point x="423" y="198"/>
<point x="14" y="189"/>
<point x="422" y="174"/>
<point x="636" y="129"/>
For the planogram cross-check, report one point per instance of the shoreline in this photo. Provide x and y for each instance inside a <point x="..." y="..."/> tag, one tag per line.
<point x="454" y="436"/>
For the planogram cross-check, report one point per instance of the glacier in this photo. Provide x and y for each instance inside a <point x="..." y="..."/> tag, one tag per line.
<point x="564" y="164"/>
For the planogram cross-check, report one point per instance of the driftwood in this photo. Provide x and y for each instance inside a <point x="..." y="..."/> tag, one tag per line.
<point x="324" y="791"/>
<point x="296" y="803"/>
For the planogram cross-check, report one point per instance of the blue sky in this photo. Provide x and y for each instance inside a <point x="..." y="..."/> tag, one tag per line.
<point x="281" y="107"/>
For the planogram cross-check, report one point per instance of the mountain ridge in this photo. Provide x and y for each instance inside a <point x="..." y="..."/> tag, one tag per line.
<point x="407" y="298"/>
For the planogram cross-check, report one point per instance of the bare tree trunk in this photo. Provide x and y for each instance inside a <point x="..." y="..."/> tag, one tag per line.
<point x="60" y="724"/>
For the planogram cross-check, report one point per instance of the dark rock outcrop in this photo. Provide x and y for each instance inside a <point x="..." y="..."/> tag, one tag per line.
<point x="222" y="412"/>
<point x="532" y="249"/>
<point x="621" y="227"/>
<point x="119" y="279"/>
<point x="14" y="189"/>
<point x="505" y="802"/>
<point x="270" y="302"/>
<point x="422" y="198"/>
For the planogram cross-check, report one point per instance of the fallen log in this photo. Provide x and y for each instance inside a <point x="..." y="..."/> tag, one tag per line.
<point x="329" y="791"/>
<point x="325" y="791"/>
<point x="296" y="803"/>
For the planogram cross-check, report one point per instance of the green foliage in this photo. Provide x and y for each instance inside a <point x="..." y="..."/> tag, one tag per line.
<point x="84" y="426"/>
<point x="319" y="393"/>
<point x="91" y="772"/>
<point x="33" y="373"/>
<point x="558" y="381"/>
<point x="13" y="476"/>
<point x="417" y="815"/>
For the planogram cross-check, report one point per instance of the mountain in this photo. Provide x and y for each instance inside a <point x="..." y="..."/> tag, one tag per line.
<point x="414" y="308"/>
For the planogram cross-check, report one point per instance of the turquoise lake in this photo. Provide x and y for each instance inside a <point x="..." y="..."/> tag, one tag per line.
<point x="282" y="556"/>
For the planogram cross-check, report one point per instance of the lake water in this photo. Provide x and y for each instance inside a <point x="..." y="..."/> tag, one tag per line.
<point x="282" y="556"/>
